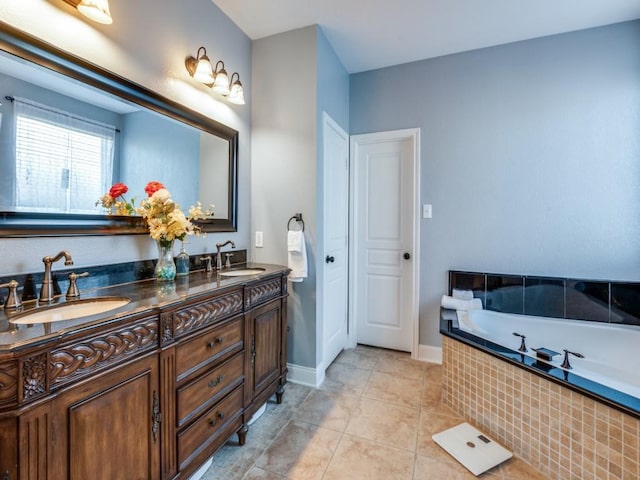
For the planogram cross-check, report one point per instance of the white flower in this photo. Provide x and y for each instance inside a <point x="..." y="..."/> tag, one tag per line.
<point x="161" y="196"/>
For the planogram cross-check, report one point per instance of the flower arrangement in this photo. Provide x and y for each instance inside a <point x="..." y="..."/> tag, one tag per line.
<point x="165" y="219"/>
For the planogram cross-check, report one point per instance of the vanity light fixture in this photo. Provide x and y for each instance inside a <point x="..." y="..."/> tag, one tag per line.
<point x="216" y="78"/>
<point x="221" y="84"/>
<point x="96" y="10"/>
<point x="200" y="67"/>
<point x="236" y="95"/>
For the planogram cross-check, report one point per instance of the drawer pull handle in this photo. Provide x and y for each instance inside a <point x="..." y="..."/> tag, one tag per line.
<point x="213" y="421"/>
<point x="212" y="343"/>
<point x="216" y="381"/>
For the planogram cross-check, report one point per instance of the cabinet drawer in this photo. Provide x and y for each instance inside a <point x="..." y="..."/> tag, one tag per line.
<point x="223" y="419"/>
<point x="209" y="388"/>
<point x="209" y="346"/>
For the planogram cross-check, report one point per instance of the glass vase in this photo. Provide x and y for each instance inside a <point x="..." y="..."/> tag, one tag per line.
<point x="165" y="270"/>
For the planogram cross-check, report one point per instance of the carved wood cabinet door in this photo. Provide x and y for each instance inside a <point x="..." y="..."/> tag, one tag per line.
<point x="109" y="426"/>
<point x="265" y="345"/>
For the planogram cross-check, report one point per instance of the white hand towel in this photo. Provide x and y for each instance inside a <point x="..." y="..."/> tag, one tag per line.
<point x="297" y="259"/>
<point x="457" y="304"/>
<point x="462" y="294"/>
<point x="295" y="241"/>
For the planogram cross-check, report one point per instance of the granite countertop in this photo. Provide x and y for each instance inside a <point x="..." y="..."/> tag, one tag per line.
<point x="145" y="296"/>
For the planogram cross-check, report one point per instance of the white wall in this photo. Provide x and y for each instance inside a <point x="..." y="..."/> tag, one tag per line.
<point x="147" y="44"/>
<point x="530" y="156"/>
<point x="283" y="180"/>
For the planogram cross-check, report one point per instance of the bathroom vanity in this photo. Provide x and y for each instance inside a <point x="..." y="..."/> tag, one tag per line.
<point x="149" y="390"/>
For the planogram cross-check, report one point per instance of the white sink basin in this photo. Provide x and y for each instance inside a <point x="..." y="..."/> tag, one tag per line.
<point x="241" y="272"/>
<point x="71" y="310"/>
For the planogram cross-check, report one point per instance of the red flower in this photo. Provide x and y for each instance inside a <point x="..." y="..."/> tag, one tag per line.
<point x="117" y="190"/>
<point x="153" y="187"/>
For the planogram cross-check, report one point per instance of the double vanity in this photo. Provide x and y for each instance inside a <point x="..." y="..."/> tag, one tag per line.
<point x="144" y="380"/>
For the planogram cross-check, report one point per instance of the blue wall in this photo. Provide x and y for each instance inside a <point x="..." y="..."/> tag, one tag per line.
<point x="530" y="155"/>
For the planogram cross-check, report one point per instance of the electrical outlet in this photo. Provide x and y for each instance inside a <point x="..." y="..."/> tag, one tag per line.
<point x="258" y="239"/>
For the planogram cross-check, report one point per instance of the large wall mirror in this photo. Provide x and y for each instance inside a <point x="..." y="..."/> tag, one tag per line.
<point x="69" y="130"/>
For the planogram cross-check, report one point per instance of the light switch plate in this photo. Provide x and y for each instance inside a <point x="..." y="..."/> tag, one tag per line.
<point x="258" y="239"/>
<point x="426" y="210"/>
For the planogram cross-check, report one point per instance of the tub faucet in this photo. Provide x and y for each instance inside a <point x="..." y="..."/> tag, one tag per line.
<point x="46" y="291"/>
<point x="219" y="253"/>
<point x="565" y="362"/>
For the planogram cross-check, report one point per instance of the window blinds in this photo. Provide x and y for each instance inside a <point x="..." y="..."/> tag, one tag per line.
<point x="64" y="163"/>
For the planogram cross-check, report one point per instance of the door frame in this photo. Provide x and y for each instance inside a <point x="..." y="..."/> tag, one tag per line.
<point x="412" y="134"/>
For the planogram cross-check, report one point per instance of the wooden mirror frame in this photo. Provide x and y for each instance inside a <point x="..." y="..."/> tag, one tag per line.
<point x="26" y="224"/>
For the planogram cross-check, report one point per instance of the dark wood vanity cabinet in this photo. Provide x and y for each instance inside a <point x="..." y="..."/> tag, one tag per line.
<point x="151" y="396"/>
<point x="108" y="426"/>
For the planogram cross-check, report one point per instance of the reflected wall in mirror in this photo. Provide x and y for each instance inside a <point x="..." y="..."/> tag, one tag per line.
<point x="70" y="130"/>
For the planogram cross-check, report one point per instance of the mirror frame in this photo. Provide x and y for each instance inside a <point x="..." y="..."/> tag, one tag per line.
<point x="25" y="224"/>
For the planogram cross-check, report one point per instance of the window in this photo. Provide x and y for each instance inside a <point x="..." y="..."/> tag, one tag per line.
<point x="64" y="163"/>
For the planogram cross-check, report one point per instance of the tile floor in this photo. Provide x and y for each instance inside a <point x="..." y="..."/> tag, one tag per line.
<point x="371" y="419"/>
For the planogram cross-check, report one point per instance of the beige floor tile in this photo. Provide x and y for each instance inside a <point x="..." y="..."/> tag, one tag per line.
<point x="360" y="459"/>
<point x="301" y="451"/>
<point x="364" y="423"/>
<point x="516" y="469"/>
<point x="394" y="389"/>
<point x="404" y="368"/>
<point x="428" y="468"/>
<point x="385" y="423"/>
<point x="345" y="379"/>
<point x="259" y="474"/>
<point x="360" y="358"/>
<point x="328" y="409"/>
<point x="429" y="424"/>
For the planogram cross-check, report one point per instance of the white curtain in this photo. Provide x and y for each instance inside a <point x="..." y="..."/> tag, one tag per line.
<point x="64" y="163"/>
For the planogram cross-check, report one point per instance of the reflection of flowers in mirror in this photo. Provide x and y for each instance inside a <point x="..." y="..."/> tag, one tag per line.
<point x="165" y="219"/>
<point x="115" y="202"/>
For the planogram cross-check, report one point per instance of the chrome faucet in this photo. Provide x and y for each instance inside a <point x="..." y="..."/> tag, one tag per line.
<point x="46" y="292"/>
<point x="219" y="253"/>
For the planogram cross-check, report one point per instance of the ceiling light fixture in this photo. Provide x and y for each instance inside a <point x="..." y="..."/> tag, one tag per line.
<point x="96" y="10"/>
<point x="216" y="78"/>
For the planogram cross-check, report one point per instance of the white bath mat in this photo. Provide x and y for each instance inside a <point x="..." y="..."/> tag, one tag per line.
<point x="471" y="448"/>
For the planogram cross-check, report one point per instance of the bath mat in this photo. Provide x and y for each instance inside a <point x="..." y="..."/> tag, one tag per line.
<point x="475" y="451"/>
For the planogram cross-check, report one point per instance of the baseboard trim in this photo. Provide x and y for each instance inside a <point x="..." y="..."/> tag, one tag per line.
<point x="427" y="353"/>
<point x="310" y="377"/>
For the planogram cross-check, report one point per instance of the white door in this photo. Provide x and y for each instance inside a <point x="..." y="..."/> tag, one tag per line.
<point x="335" y="220"/>
<point x="385" y="238"/>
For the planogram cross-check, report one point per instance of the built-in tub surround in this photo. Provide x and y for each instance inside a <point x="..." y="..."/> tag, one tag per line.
<point x="562" y="433"/>
<point x="574" y="423"/>
<point x="609" y="369"/>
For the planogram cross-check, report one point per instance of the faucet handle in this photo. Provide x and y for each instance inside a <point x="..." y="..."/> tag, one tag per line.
<point x="565" y="362"/>
<point x="13" y="302"/>
<point x="208" y="267"/>
<point x="227" y="262"/>
<point x="523" y="346"/>
<point x="73" y="291"/>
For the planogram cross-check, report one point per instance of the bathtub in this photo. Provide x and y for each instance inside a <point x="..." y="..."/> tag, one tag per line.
<point x="610" y="369"/>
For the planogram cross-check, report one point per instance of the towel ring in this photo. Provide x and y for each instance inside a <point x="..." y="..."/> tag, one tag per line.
<point x="298" y="218"/>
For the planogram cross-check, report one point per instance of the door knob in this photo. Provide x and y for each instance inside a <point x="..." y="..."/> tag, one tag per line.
<point x="329" y="259"/>
<point x="406" y="255"/>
